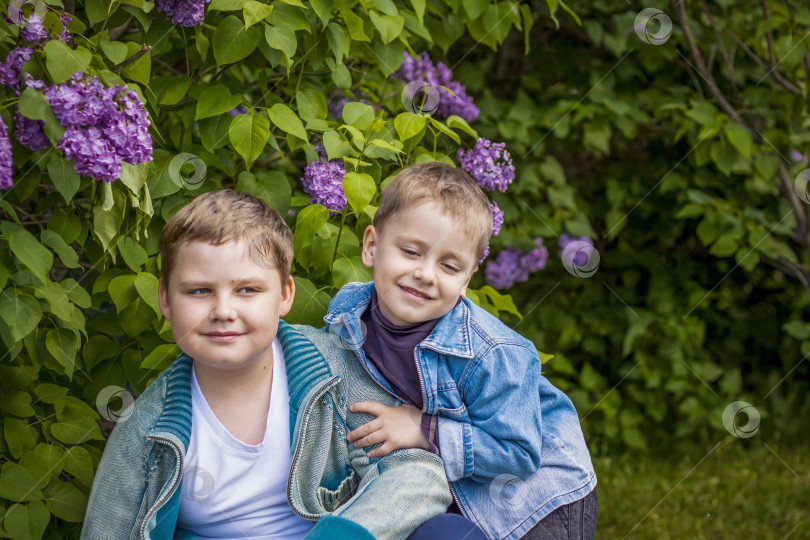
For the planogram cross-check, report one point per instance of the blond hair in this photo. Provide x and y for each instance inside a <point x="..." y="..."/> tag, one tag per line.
<point x="225" y="215"/>
<point x="452" y="188"/>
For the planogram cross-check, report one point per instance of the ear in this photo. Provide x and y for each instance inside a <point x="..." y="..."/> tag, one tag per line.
<point x="464" y="289"/>
<point x="287" y="297"/>
<point x="370" y="239"/>
<point x="163" y="300"/>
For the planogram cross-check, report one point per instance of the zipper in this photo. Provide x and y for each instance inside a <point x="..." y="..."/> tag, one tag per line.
<point x="302" y="429"/>
<point x="175" y="482"/>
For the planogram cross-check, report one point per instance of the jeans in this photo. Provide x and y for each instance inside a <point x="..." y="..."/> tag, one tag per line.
<point x="575" y="521"/>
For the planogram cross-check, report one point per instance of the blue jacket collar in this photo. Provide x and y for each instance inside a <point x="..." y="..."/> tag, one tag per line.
<point x="450" y="336"/>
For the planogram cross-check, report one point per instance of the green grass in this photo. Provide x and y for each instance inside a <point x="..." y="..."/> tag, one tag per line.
<point x="746" y="489"/>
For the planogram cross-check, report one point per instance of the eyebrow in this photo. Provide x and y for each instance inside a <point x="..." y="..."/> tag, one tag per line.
<point x="422" y="244"/>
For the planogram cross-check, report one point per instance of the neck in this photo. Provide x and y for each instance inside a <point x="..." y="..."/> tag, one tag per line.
<point x="230" y="384"/>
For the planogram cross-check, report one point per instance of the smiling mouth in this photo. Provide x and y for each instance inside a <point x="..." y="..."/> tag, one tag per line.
<point x="414" y="292"/>
<point x="222" y="336"/>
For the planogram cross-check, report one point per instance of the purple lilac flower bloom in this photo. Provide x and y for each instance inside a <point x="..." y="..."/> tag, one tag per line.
<point x="30" y="133"/>
<point x="33" y="29"/>
<point x="183" y="12"/>
<point x="580" y="257"/>
<point x="323" y="181"/>
<point x="489" y="163"/>
<point x="512" y="265"/>
<point x="92" y="154"/>
<point x="6" y="161"/>
<point x="11" y="69"/>
<point x="795" y="155"/>
<point x="64" y="35"/>
<point x="423" y="68"/>
<point x="497" y="218"/>
<point x="506" y="269"/>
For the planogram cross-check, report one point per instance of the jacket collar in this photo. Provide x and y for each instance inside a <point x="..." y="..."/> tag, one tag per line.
<point x="450" y="336"/>
<point x="175" y="417"/>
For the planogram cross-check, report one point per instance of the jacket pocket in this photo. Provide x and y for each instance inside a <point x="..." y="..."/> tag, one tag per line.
<point x="332" y="499"/>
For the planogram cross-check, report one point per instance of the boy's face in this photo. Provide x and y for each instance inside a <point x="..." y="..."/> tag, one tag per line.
<point x="422" y="261"/>
<point x="224" y="308"/>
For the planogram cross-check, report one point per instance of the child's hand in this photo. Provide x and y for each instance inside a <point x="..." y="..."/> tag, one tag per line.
<point x="395" y="427"/>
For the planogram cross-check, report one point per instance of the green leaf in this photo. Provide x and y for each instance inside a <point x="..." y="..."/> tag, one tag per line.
<point x="27" y="521"/>
<point x="138" y="70"/>
<point x="409" y="125"/>
<point x="339" y="41"/>
<point x="475" y="8"/>
<point x="354" y="24"/>
<point x="161" y="357"/>
<point x="360" y="115"/>
<point x="311" y="104"/>
<point x="79" y="463"/>
<point x="795" y="328"/>
<point x="134" y="176"/>
<point x="285" y="119"/>
<point x="20" y="311"/>
<point x="281" y="38"/>
<point x="50" y="393"/>
<point x="233" y="42"/>
<point x="350" y="269"/>
<point x="226" y="5"/>
<point x="457" y="122"/>
<point x="307" y="224"/>
<point x="62" y="61"/>
<point x="66" y="502"/>
<point x="249" y="134"/>
<point x="66" y="253"/>
<point x="215" y="100"/>
<point x="767" y="166"/>
<point x="63" y="345"/>
<point x="360" y="189"/>
<point x="214" y="131"/>
<point x="19" y="437"/>
<point x="147" y="286"/>
<point x="67" y="225"/>
<point x="390" y="56"/>
<point x="114" y="50"/>
<point x="323" y="9"/>
<point x="31" y="253"/>
<point x="57" y="299"/>
<point x="18" y="403"/>
<point x="389" y="26"/>
<point x="122" y="291"/>
<point x="134" y="255"/>
<point x="76" y="293"/>
<point x="419" y="9"/>
<point x="444" y="129"/>
<point x="336" y="145"/>
<point x="309" y="306"/>
<point x="270" y="186"/>
<point x="76" y="430"/>
<point x="724" y="156"/>
<point x="106" y="223"/>
<point x="740" y="138"/>
<point x="254" y="12"/>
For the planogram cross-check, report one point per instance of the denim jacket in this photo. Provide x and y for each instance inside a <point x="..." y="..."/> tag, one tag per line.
<point x="511" y="442"/>
<point x="136" y="491"/>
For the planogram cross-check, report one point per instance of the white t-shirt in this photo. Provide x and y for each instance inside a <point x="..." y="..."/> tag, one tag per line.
<point x="237" y="490"/>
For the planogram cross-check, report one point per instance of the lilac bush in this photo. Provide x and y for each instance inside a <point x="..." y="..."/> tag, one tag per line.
<point x="30" y="133"/>
<point x="33" y="30"/>
<point x="489" y="163"/>
<point x="12" y="67"/>
<point x="497" y="224"/>
<point x="422" y="68"/>
<point x="183" y="12"/>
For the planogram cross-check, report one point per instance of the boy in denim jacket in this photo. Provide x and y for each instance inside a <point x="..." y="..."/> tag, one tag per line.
<point x="472" y="389"/>
<point x="244" y="435"/>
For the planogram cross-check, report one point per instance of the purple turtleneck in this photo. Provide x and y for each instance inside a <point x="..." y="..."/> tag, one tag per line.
<point x="391" y="349"/>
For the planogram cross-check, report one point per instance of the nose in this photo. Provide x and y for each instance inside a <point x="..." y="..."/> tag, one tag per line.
<point x="223" y="308"/>
<point x="424" y="272"/>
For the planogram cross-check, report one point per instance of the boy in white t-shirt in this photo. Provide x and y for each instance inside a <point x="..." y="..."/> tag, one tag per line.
<point x="206" y="450"/>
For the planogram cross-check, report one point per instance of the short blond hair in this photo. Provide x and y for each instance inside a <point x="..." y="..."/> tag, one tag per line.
<point x="452" y="188"/>
<point x="225" y="215"/>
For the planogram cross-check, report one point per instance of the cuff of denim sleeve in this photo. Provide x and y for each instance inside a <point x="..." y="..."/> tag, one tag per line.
<point x="457" y="450"/>
<point x="430" y="431"/>
<point x="338" y="528"/>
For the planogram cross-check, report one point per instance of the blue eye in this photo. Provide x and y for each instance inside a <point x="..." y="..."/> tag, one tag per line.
<point x="248" y="290"/>
<point x="200" y="291"/>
